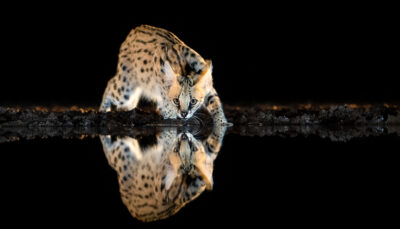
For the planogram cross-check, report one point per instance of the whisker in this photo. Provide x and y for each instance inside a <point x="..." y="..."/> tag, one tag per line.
<point x="199" y="120"/>
<point x="197" y="128"/>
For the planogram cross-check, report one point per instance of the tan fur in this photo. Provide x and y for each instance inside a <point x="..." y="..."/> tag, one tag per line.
<point x="155" y="64"/>
<point x="157" y="182"/>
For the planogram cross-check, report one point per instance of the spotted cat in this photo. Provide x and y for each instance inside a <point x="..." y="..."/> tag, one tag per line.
<point x="156" y="64"/>
<point x="156" y="182"/>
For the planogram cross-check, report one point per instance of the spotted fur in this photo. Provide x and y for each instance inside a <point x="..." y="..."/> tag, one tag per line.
<point x="155" y="64"/>
<point x="157" y="182"/>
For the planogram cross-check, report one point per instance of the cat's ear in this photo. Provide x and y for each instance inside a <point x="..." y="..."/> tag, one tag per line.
<point x="205" y="75"/>
<point x="206" y="174"/>
<point x="169" y="73"/>
<point x="172" y="172"/>
<point x="169" y="178"/>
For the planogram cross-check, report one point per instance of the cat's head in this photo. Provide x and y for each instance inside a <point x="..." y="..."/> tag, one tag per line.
<point x="187" y="92"/>
<point x="189" y="159"/>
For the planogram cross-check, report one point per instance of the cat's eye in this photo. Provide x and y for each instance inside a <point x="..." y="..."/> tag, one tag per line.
<point x="193" y="101"/>
<point x="176" y="101"/>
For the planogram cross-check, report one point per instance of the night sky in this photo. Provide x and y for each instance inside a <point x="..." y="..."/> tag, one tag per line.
<point x="279" y="55"/>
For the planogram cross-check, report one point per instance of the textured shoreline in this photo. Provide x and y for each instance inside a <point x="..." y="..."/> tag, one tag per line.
<point x="347" y="114"/>
<point x="335" y="122"/>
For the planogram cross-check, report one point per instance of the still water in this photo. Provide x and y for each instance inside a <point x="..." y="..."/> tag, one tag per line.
<point x="183" y="177"/>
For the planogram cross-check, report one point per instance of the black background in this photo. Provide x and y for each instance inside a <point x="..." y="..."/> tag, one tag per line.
<point x="291" y="53"/>
<point x="66" y="54"/>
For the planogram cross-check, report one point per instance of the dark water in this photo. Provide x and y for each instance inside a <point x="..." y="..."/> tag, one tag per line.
<point x="260" y="180"/>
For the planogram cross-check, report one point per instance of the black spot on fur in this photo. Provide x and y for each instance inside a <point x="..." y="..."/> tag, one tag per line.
<point x="140" y="31"/>
<point x="141" y="70"/>
<point x="124" y="68"/>
<point x="143" y="177"/>
<point x="187" y="195"/>
<point x="126" y="149"/>
<point x="140" y="41"/>
<point x="146" y="185"/>
<point x="192" y="55"/>
<point x="144" y="61"/>
<point x="124" y="79"/>
<point x="188" y="70"/>
<point x="209" y="148"/>
<point x="210" y="98"/>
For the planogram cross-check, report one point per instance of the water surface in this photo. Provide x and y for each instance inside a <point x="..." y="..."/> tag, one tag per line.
<point x="275" y="179"/>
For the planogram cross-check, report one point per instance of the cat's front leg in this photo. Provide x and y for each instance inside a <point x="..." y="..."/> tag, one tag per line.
<point x="213" y="104"/>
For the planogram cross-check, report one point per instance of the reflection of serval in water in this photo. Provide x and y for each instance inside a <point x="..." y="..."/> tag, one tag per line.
<point x="157" y="182"/>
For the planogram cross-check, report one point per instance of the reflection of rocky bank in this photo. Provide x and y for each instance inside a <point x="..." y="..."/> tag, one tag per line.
<point x="303" y="114"/>
<point x="336" y="122"/>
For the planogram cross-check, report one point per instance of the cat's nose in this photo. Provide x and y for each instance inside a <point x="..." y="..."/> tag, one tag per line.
<point x="184" y="113"/>
<point x="184" y="137"/>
